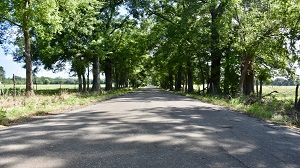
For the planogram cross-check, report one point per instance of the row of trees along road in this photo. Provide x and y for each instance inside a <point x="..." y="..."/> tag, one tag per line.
<point x="223" y="43"/>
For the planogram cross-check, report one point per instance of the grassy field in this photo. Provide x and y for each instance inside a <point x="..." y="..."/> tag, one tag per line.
<point x="284" y="92"/>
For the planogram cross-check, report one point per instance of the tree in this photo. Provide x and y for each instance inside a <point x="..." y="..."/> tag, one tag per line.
<point x="2" y="74"/>
<point x="78" y="43"/>
<point x="26" y="16"/>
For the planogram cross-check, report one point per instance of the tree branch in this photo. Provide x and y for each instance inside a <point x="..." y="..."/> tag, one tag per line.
<point x="120" y="25"/>
<point x="161" y="16"/>
<point x="12" y="22"/>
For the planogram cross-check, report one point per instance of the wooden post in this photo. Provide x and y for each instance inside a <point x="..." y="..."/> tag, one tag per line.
<point x="257" y="92"/>
<point x="88" y="78"/>
<point x="260" y="89"/>
<point x="14" y="81"/>
<point x="296" y="96"/>
<point x="35" y="83"/>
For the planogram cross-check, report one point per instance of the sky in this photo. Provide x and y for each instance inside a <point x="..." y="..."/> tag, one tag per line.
<point x="10" y="67"/>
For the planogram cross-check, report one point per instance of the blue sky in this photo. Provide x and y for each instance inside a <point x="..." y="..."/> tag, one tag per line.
<point x="10" y="67"/>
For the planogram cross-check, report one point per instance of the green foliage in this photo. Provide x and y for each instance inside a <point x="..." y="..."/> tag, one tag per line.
<point x="2" y="116"/>
<point x="2" y="74"/>
<point x="46" y="81"/>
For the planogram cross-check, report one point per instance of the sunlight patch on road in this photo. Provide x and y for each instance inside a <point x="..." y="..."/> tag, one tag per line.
<point x="147" y="138"/>
<point x="46" y="162"/>
<point x="14" y="147"/>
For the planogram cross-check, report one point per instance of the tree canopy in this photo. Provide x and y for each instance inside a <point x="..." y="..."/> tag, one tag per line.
<point x="224" y="45"/>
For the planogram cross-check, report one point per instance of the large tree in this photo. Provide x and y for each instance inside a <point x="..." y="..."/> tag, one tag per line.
<point x="26" y="16"/>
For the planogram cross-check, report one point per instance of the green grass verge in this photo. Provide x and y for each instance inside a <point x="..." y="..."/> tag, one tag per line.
<point x="20" y="109"/>
<point x="271" y="109"/>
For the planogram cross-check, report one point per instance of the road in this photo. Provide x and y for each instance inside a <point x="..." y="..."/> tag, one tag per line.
<point x="149" y="128"/>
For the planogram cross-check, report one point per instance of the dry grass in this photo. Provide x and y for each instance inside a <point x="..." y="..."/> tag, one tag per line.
<point x="20" y="108"/>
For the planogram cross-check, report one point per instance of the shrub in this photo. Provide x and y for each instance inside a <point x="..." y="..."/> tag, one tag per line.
<point x="2" y="116"/>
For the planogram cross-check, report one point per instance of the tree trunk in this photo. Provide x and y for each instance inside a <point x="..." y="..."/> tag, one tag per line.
<point x="126" y="80"/>
<point x="117" y="80"/>
<point x="260" y="89"/>
<point x="249" y="83"/>
<point x="296" y="97"/>
<point x="171" y="83"/>
<point x="88" y="78"/>
<point x="108" y="74"/>
<point x="190" y="83"/>
<point x="246" y="83"/>
<point x="216" y="53"/>
<point x="80" y="83"/>
<point x="84" y="83"/>
<point x="227" y="76"/>
<point x="27" y="53"/>
<point x="186" y="83"/>
<point x="96" y="74"/>
<point x="178" y="79"/>
<point x="202" y="76"/>
<point x="257" y="92"/>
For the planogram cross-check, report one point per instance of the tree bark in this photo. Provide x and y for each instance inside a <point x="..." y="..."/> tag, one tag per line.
<point x="108" y="74"/>
<point x="96" y="74"/>
<point x="249" y="83"/>
<point x="80" y="83"/>
<point x="117" y="80"/>
<point x="84" y="83"/>
<point x="260" y="89"/>
<point x="190" y="83"/>
<point x="246" y="83"/>
<point x="88" y="78"/>
<point x="216" y="54"/>
<point x="27" y="53"/>
<point x="202" y="76"/>
<point x="178" y="79"/>
<point x="171" y="83"/>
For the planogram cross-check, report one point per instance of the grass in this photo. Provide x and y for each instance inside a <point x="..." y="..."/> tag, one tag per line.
<point x="276" y="108"/>
<point x="284" y="92"/>
<point x="21" y="108"/>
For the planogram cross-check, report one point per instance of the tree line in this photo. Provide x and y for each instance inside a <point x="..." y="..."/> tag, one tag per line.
<point x="224" y="45"/>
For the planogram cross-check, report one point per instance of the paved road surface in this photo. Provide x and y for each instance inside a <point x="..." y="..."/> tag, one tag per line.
<point x="149" y="128"/>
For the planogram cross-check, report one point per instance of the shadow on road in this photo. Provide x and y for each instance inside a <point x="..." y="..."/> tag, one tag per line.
<point x="149" y="136"/>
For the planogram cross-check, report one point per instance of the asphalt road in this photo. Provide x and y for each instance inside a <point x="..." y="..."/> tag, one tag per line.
<point x="149" y="128"/>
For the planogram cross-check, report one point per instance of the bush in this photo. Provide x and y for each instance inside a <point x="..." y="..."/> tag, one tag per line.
<point x="2" y="116"/>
